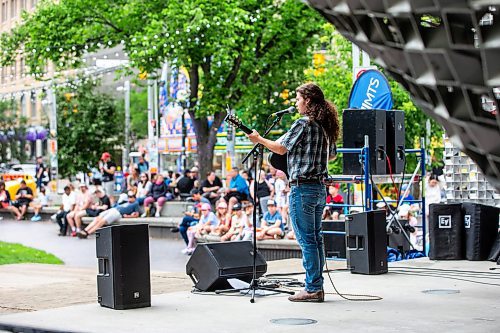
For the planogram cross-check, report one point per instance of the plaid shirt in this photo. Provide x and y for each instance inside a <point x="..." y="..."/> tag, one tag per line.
<point x="307" y="150"/>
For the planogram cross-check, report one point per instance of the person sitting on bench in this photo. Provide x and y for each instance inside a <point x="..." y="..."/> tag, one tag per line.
<point x="126" y="210"/>
<point x="272" y="224"/>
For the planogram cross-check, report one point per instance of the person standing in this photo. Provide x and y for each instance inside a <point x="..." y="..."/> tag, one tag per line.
<point x="108" y="168"/>
<point x="309" y="144"/>
<point x="40" y="169"/>
<point x="143" y="165"/>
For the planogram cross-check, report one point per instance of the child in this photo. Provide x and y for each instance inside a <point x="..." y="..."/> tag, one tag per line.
<point x="334" y="198"/>
<point x="208" y="222"/>
<point x="40" y="202"/>
<point x="224" y="220"/>
<point x="272" y="225"/>
<point x="238" y="221"/>
<point x="281" y="188"/>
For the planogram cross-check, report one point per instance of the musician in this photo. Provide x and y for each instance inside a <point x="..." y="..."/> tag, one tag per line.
<point x="309" y="143"/>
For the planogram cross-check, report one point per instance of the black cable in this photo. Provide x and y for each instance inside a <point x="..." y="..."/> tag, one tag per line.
<point x="448" y="270"/>
<point x="468" y="275"/>
<point x="403" y="176"/>
<point x="301" y="273"/>
<point x="445" y="277"/>
<point x="366" y="298"/>
<point x="479" y="275"/>
<point x="226" y="293"/>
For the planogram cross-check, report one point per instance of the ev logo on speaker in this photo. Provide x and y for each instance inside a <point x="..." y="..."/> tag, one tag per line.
<point x="444" y="221"/>
<point x="467" y="221"/>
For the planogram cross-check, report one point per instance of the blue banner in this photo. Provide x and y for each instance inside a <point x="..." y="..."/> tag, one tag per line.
<point x="371" y="91"/>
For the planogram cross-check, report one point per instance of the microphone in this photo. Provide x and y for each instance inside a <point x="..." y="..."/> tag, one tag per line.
<point x="291" y="109"/>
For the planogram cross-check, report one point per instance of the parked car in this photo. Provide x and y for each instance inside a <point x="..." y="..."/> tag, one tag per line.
<point x="29" y="169"/>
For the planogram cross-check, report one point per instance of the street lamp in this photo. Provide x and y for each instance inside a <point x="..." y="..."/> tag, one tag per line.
<point x="126" y="150"/>
<point x="182" y="98"/>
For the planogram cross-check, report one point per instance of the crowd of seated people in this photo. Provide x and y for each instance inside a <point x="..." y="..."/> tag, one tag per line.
<point x="221" y="210"/>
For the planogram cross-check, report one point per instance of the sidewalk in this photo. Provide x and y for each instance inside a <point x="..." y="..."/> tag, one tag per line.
<point x="165" y="254"/>
<point x="459" y="306"/>
<point x="34" y="287"/>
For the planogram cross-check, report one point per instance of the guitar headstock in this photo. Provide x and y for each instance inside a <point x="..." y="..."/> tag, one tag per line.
<point x="233" y="120"/>
<point x="236" y="122"/>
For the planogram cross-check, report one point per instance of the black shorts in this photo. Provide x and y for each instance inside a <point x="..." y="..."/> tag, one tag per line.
<point x="19" y="204"/>
<point x="93" y="212"/>
<point x="237" y="195"/>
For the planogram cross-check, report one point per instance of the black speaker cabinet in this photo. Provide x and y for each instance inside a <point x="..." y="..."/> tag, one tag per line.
<point x="357" y="124"/>
<point x="334" y="243"/>
<point x="397" y="239"/>
<point x="446" y="232"/>
<point x="395" y="140"/>
<point x="123" y="281"/>
<point x="481" y="227"/>
<point x="211" y="264"/>
<point x="367" y="242"/>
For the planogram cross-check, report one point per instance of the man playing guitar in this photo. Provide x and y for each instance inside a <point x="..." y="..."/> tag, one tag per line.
<point x="309" y="143"/>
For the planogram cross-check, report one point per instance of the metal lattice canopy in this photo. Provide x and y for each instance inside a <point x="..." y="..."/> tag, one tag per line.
<point x="446" y="53"/>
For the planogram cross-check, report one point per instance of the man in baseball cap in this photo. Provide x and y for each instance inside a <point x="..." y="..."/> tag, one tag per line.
<point x="108" y="168"/>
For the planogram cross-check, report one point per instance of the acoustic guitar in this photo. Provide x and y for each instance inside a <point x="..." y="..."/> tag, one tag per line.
<point x="277" y="161"/>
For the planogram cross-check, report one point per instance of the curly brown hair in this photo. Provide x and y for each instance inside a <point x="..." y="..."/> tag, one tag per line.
<point x="320" y="110"/>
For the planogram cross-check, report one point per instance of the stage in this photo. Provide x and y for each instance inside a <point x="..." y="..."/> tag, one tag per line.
<point x="459" y="306"/>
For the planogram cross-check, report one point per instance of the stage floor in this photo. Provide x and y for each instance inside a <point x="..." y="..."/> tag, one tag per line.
<point x="456" y="306"/>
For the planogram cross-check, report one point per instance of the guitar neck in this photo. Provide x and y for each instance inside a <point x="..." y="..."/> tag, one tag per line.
<point x="245" y="129"/>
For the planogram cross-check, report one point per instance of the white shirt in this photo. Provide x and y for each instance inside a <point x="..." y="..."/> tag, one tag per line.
<point x="432" y="195"/>
<point x="143" y="190"/>
<point x="44" y="201"/>
<point x="68" y="201"/>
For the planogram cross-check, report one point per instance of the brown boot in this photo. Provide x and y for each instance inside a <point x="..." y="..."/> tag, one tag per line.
<point x="305" y="296"/>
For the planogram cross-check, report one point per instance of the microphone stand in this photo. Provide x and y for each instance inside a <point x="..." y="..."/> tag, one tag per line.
<point x="258" y="151"/>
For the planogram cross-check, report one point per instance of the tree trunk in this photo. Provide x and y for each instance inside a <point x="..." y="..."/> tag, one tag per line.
<point x="206" y="138"/>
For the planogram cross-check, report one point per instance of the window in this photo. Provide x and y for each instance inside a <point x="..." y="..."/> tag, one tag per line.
<point x="13" y="8"/>
<point x="22" y="67"/>
<point x="2" y="76"/>
<point x="4" y="11"/>
<point x="24" y="112"/>
<point x="13" y="72"/>
<point x="33" y="104"/>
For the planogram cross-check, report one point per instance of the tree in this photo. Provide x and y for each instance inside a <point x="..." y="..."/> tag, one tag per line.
<point x="13" y="128"/>
<point x="243" y="53"/>
<point x="138" y="114"/>
<point x="88" y="123"/>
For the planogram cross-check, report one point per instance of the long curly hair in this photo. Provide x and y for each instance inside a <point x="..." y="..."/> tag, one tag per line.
<point x="320" y="110"/>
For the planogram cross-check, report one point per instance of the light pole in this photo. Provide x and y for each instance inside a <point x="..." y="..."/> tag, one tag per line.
<point x="126" y="150"/>
<point x="184" y="135"/>
<point x="182" y="98"/>
<point x="54" y="167"/>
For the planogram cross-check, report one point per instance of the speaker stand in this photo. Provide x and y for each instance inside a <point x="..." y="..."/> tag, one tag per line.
<point x="257" y="153"/>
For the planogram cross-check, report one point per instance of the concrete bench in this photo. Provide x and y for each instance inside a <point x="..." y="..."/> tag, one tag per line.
<point x="159" y="227"/>
<point x="271" y="249"/>
<point x="171" y="208"/>
<point x="45" y="213"/>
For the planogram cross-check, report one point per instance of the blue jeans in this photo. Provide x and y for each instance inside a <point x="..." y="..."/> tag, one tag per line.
<point x="306" y="208"/>
<point x="187" y="221"/>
